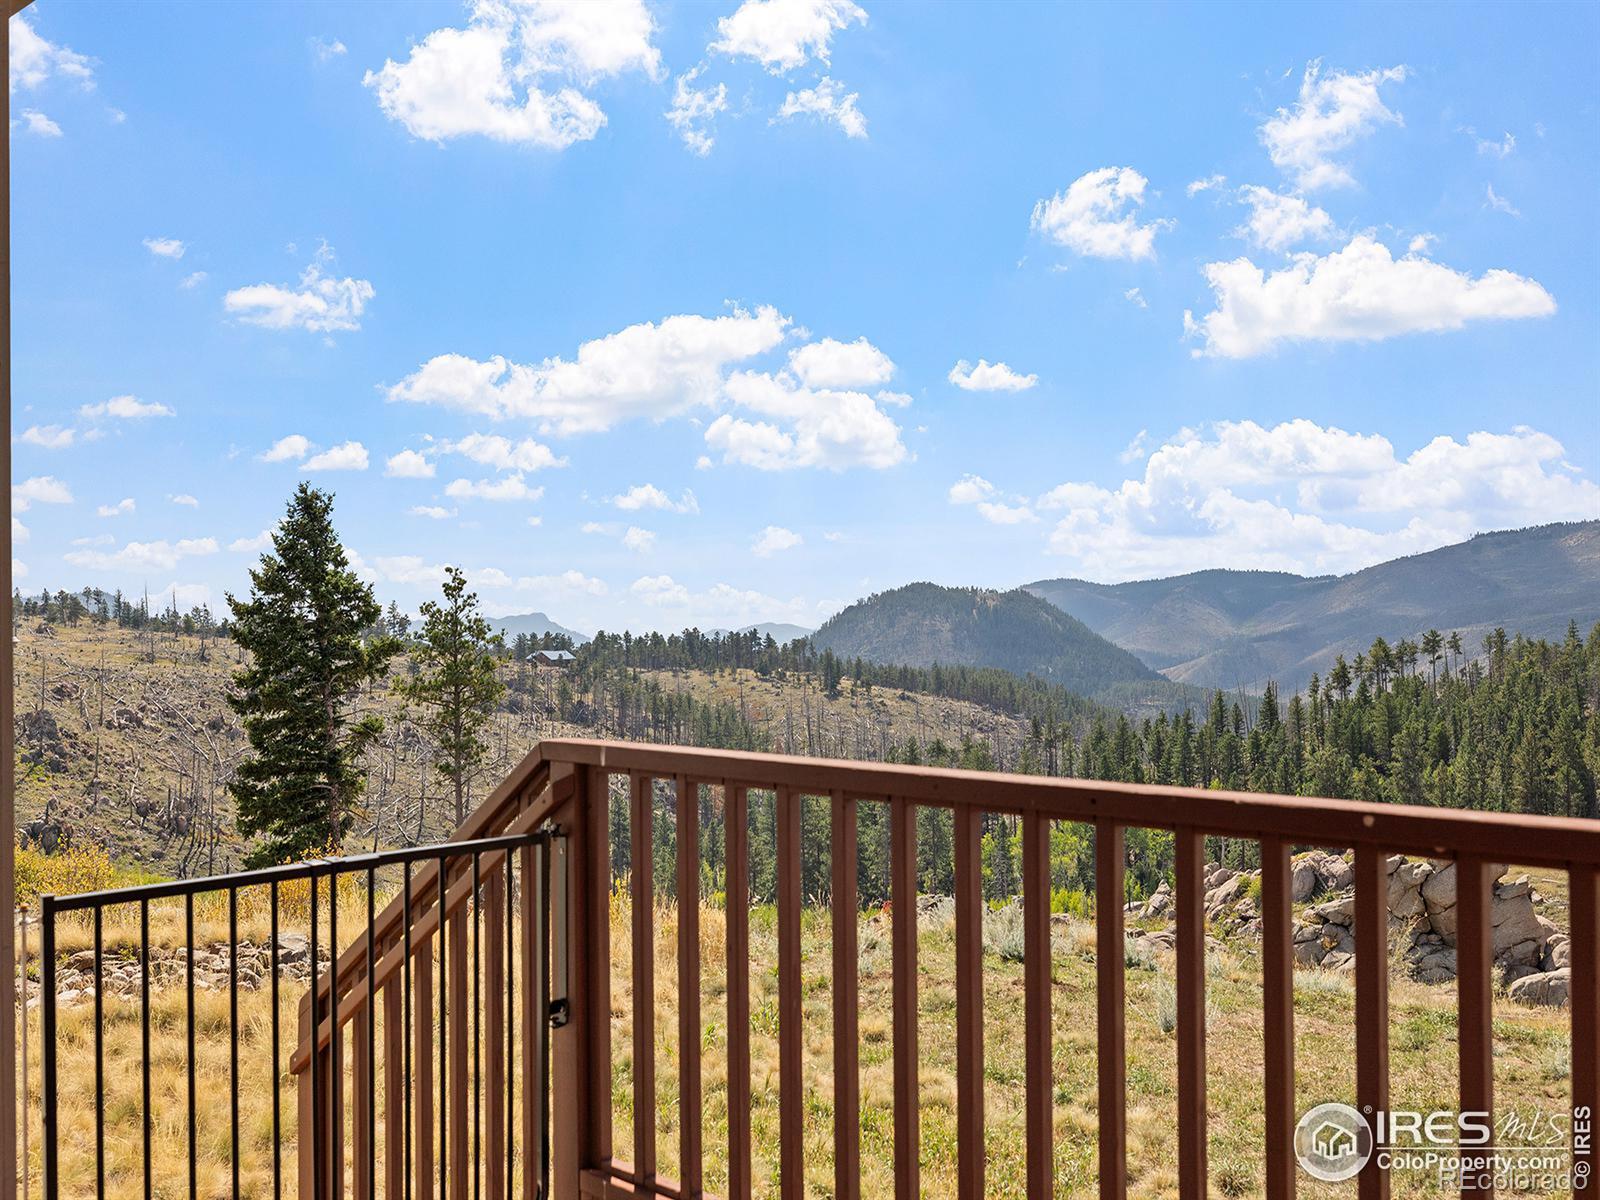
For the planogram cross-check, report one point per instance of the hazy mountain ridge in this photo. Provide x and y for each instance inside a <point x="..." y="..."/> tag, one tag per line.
<point x="921" y="624"/>
<point x="1228" y="629"/>
<point x="534" y="624"/>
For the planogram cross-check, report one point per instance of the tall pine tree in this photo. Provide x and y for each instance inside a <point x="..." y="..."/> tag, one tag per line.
<point x="456" y="682"/>
<point x="299" y="788"/>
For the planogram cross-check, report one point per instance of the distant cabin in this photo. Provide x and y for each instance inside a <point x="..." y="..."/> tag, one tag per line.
<point x="554" y="658"/>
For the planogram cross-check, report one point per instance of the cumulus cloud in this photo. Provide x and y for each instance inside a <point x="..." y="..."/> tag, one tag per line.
<point x="1359" y="293"/>
<point x="517" y="71"/>
<point x="319" y="303"/>
<point x="721" y="604"/>
<point x="124" y="408"/>
<point x="648" y="495"/>
<point x="408" y="464"/>
<point x="502" y="454"/>
<point x="785" y="34"/>
<point x="982" y="495"/>
<point x="120" y="509"/>
<point x="640" y="541"/>
<point x="36" y="123"/>
<point x="260" y="544"/>
<point x="1205" y="185"/>
<point x="673" y="368"/>
<point x="1499" y="203"/>
<point x="1309" y="498"/>
<point x="1332" y="113"/>
<point x="505" y="488"/>
<point x="292" y="448"/>
<point x="827" y="101"/>
<point x="165" y="247"/>
<point x="1136" y="297"/>
<point x="987" y="377"/>
<point x="694" y="110"/>
<point x="34" y="60"/>
<point x="1097" y="216"/>
<point x="433" y="512"/>
<point x="143" y="556"/>
<point x="48" y="437"/>
<point x="183" y="499"/>
<point x="970" y="489"/>
<point x="348" y="456"/>
<point x="41" y="489"/>
<point x="192" y="280"/>
<point x="774" y="539"/>
<point x="1278" y="221"/>
<point x="832" y="364"/>
<point x="326" y="49"/>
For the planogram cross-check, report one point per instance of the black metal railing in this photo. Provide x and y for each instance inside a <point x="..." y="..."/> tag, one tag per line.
<point x="477" y="912"/>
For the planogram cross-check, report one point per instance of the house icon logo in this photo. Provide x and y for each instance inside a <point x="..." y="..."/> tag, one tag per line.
<point x="1333" y="1142"/>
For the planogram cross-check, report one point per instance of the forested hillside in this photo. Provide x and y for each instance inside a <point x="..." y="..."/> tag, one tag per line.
<point x="923" y="624"/>
<point x="1233" y="629"/>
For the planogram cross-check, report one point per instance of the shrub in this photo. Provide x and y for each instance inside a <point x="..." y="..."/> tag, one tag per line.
<point x="83" y="868"/>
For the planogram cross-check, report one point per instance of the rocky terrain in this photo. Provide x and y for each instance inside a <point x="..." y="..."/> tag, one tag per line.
<point x="1530" y="950"/>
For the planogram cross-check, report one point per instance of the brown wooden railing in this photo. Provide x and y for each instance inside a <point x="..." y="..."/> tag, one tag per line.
<point x="567" y="782"/>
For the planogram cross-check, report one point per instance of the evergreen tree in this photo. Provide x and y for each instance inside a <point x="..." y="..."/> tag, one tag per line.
<point x="298" y="788"/>
<point x="456" y="682"/>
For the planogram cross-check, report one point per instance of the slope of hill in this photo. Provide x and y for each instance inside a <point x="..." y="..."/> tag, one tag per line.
<point x="922" y="624"/>
<point x="1233" y="629"/>
<point x="534" y="625"/>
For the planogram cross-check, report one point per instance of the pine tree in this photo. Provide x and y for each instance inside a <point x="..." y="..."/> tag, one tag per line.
<point x="298" y="789"/>
<point x="456" y="682"/>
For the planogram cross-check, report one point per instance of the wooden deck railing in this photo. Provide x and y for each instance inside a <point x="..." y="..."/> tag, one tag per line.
<point x="568" y="782"/>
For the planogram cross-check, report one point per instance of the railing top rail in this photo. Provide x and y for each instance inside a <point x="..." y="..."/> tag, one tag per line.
<point x="1433" y="832"/>
<point x="315" y="868"/>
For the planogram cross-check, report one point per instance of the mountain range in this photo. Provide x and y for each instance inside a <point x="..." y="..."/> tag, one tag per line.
<point x="534" y="624"/>
<point x="1238" y="629"/>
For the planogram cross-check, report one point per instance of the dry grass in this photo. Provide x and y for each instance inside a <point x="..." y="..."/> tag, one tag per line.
<point x="1531" y="1058"/>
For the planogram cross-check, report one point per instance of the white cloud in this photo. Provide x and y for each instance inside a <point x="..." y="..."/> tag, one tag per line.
<point x="774" y="539"/>
<point x="319" y="303"/>
<point x="831" y="364"/>
<point x="19" y="531"/>
<point x="433" y="512"/>
<point x="516" y="72"/>
<point x="33" y="60"/>
<point x="1501" y="149"/>
<point x="647" y="370"/>
<point x="119" y="509"/>
<point x="125" y="408"/>
<point x="648" y="495"/>
<point x="143" y="556"/>
<point x="1333" y="112"/>
<point x="1303" y="497"/>
<point x="640" y="541"/>
<point x="408" y="464"/>
<point x="694" y="111"/>
<point x="971" y="489"/>
<point x="49" y="437"/>
<point x="508" y="487"/>
<point x="784" y="34"/>
<point x="1499" y="203"/>
<point x="502" y="454"/>
<point x="186" y="595"/>
<point x="165" y="247"/>
<point x="1134" y="296"/>
<point x="1421" y="244"/>
<point x="987" y="377"/>
<point x="828" y="101"/>
<point x="99" y="539"/>
<point x="36" y="123"/>
<point x="325" y="49"/>
<point x="569" y="584"/>
<point x="1097" y="216"/>
<point x="348" y="456"/>
<point x="1135" y="449"/>
<point x="830" y="429"/>
<point x="660" y="590"/>
<point x="19" y="569"/>
<point x="260" y="544"/>
<point x="192" y="280"/>
<point x="1278" y="221"/>
<point x="1359" y="293"/>
<point x="183" y="499"/>
<point x="1005" y="514"/>
<point x="1205" y="185"/>
<point x="41" y="489"/>
<point x="293" y="447"/>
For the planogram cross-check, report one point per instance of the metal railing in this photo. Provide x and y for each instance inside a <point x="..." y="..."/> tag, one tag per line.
<point x="384" y="1034"/>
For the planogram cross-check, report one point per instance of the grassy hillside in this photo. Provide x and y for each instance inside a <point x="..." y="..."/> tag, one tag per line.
<point x="1232" y="629"/>
<point x="922" y="624"/>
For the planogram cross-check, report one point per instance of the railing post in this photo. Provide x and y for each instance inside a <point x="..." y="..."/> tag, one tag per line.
<point x="1193" y="1131"/>
<point x="1372" y="1002"/>
<point x="1111" y="964"/>
<point x="1277" y="1010"/>
<point x="47" y="1007"/>
<point x="581" y="1048"/>
<point x="1584" y="885"/>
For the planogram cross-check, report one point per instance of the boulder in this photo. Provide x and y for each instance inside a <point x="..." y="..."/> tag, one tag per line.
<point x="1548" y="989"/>
<point x="1303" y="881"/>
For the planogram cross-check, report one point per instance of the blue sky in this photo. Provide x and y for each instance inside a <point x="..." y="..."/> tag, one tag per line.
<point x="659" y="314"/>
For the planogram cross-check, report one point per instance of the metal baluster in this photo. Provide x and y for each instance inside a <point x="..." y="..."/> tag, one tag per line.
<point x="372" y="1025"/>
<point x="188" y="926"/>
<point x="277" y="1131"/>
<point x="99" y="1055"/>
<point x="144" y="1039"/>
<point x="47" y="1000"/>
<point x="233" y="1030"/>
